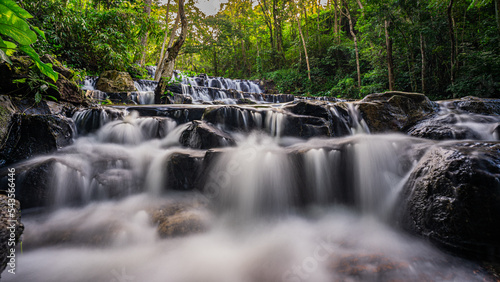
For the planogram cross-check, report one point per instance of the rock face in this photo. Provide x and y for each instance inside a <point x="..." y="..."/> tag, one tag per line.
<point x="30" y="135"/>
<point x="202" y="135"/>
<point x="7" y="218"/>
<point x="395" y="111"/>
<point x="114" y="81"/>
<point x="452" y="197"/>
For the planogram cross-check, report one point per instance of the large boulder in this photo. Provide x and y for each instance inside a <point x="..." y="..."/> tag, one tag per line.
<point x="11" y="229"/>
<point x="395" y="111"/>
<point x="202" y="135"/>
<point x="113" y="81"/>
<point x="452" y="197"/>
<point x="31" y="135"/>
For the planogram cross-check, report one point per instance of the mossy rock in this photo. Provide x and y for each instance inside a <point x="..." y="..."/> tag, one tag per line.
<point x="113" y="81"/>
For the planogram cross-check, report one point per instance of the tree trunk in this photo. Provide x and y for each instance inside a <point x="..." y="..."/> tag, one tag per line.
<point x="351" y="30"/>
<point x="452" y="41"/>
<point x="164" y="41"/>
<point x="215" y="60"/>
<point x="144" y="40"/>
<point x="390" y="66"/>
<point x="422" y="53"/>
<point x="165" y="54"/>
<point x="305" y="49"/>
<point x="497" y="14"/>
<point x="335" y="24"/>
<point x="169" y="61"/>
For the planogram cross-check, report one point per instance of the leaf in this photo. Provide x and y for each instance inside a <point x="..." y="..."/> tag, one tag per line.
<point x="4" y="57"/>
<point x="40" y="32"/>
<point x="15" y="27"/>
<point x="6" y="45"/>
<point x="44" y="68"/>
<point x="21" y="80"/>
<point x="20" y="12"/>
<point x="51" y="97"/>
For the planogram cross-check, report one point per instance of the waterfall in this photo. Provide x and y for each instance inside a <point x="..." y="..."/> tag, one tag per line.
<point x="128" y="201"/>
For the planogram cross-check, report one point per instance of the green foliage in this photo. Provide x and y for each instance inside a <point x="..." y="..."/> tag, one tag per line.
<point x="477" y="78"/>
<point x="38" y="85"/>
<point x="92" y="39"/>
<point x="13" y="25"/>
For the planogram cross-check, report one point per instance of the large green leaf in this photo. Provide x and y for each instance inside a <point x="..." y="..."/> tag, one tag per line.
<point x="15" y="27"/>
<point x="44" y="68"/>
<point x="20" y="12"/>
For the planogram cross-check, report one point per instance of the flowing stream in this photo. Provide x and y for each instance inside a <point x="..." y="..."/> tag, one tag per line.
<point x="272" y="207"/>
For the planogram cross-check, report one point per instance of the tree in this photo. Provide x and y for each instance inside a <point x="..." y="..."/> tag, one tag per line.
<point x="169" y="61"/>
<point x="144" y="40"/>
<point x="353" y="34"/>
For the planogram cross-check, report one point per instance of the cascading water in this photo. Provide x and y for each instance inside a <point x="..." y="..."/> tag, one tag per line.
<point x="272" y="209"/>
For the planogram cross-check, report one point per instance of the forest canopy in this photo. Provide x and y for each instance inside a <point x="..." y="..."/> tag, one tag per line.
<point x="341" y="48"/>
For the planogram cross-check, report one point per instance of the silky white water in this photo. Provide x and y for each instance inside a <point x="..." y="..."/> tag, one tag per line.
<point x="274" y="208"/>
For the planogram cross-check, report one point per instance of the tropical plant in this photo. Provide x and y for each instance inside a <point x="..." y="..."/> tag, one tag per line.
<point x="13" y="25"/>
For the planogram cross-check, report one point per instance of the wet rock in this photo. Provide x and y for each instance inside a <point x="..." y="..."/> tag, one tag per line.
<point x="234" y="118"/>
<point x="32" y="183"/>
<point x="31" y="135"/>
<point x="475" y="105"/>
<point x="114" y="81"/>
<point x="443" y="132"/>
<point x="245" y="101"/>
<point x="178" y="220"/>
<point x="30" y="107"/>
<point x="395" y="111"/>
<point x="61" y="108"/>
<point x="182" y="99"/>
<point x="202" y="135"/>
<point x="496" y="131"/>
<point x="338" y="123"/>
<point x="305" y="126"/>
<point x="309" y="109"/>
<point x="452" y="197"/>
<point x="179" y="113"/>
<point x="7" y="110"/>
<point x="458" y="126"/>
<point x="183" y="170"/>
<point x="10" y="215"/>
